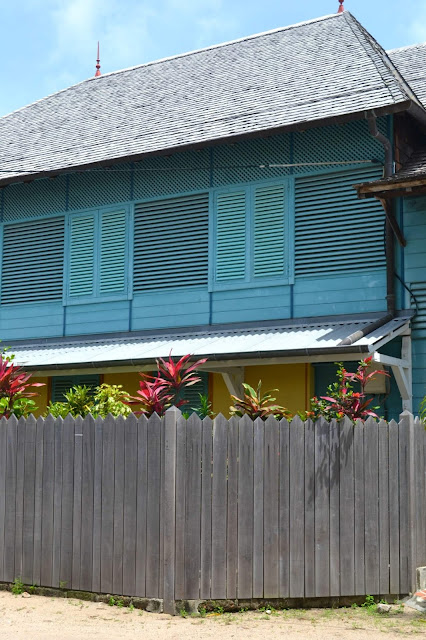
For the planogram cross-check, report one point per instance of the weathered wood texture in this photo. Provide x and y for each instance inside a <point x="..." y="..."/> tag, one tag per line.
<point x="194" y="509"/>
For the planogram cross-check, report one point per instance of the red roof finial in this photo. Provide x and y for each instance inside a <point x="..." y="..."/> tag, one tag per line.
<point x="341" y="7"/>
<point x="98" y="65"/>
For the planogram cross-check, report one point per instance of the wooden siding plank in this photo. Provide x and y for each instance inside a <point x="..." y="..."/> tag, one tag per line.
<point x="322" y="508"/>
<point x="107" y="516"/>
<point x="371" y="497"/>
<point x="347" y="509"/>
<point x="309" y="509"/>
<point x="206" y="508"/>
<point x="57" y="503"/>
<point x="271" y="509"/>
<point x="297" y="508"/>
<point x="245" y="509"/>
<point x="284" y="509"/>
<point x="97" y="505"/>
<point x="232" y="511"/>
<point x="141" y="505"/>
<point x="130" y="505"/>
<point x="220" y="428"/>
<point x="117" y="562"/>
<point x="48" y="501"/>
<point x="64" y="501"/>
<point x="3" y="447"/>
<point x="180" y="508"/>
<point x="334" y="509"/>
<point x="87" y="504"/>
<point x="38" y="501"/>
<point x="193" y="508"/>
<point x="259" y="469"/>
<point x="359" y="469"/>
<point x="28" y="503"/>
<point x="394" y="507"/>
<point x="77" y="489"/>
<point x="153" y="508"/>
<point x="10" y="507"/>
<point x="19" y="497"/>
<point x="383" y="472"/>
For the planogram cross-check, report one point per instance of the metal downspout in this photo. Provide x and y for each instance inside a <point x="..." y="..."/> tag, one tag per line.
<point x="389" y="238"/>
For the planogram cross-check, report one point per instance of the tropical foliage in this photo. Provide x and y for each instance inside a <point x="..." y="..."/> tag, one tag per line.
<point x="257" y="405"/>
<point x="15" y="385"/>
<point x="82" y="400"/>
<point x="423" y="411"/>
<point x="158" y="393"/>
<point x="342" y="400"/>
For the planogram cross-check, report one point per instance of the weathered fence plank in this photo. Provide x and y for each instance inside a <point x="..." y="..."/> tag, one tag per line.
<point x="10" y="504"/>
<point x="28" y="502"/>
<point x="359" y="503"/>
<point x="284" y="513"/>
<point x="57" y="503"/>
<point x="46" y="568"/>
<point x="404" y="529"/>
<point x="76" y="510"/>
<point x="3" y="445"/>
<point x="309" y="500"/>
<point x="107" y="516"/>
<point x="232" y="512"/>
<point x="66" y="500"/>
<point x="334" y="509"/>
<point x="393" y="432"/>
<point x="130" y="505"/>
<point x="347" y="509"/>
<point x="180" y="508"/>
<point x="219" y="508"/>
<point x="271" y="510"/>
<point x="297" y="509"/>
<point x="117" y="564"/>
<point x="259" y="469"/>
<point x="97" y="505"/>
<point x="322" y="509"/>
<point x="141" y="506"/>
<point x="19" y="497"/>
<point x="87" y="503"/>
<point x="38" y="501"/>
<point x="206" y="508"/>
<point x="371" y="498"/>
<point x="153" y="508"/>
<point x="193" y="507"/>
<point x="245" y="509"/>
<point x="383" y="471"/>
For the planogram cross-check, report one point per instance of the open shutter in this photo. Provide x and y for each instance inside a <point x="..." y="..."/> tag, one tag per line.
<point x="113" y="249"/>
<point x="336" y="232"/>
<point x="231" y="236"/>
<point x="171" y="243"/>
<point x="82" y="255"/>
<point x="269" y="220"/>
<point x="32" y="261"/>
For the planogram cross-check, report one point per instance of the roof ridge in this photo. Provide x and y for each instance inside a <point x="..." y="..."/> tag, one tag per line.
<point x="175" y="57"/>
<point x="374" y="44"/>
<point x="407" y="46"/>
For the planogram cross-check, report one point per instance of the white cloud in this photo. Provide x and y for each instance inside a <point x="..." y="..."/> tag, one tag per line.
<point x="417" y="27"/>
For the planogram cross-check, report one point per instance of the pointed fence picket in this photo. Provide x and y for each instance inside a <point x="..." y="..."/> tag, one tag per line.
<point x="179" y="508"/>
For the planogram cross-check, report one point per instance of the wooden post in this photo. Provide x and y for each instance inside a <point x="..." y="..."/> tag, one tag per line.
<point x="169" y="509"/>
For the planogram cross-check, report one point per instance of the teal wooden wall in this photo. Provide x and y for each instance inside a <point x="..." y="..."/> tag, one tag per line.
<point x="412" y="213"/>
<point x="334" y="242"/>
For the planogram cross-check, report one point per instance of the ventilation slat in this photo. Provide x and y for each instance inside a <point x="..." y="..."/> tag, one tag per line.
<point x="33" y="261"/>
<point x="335" y="232"/>
<point x="171" y="243"/>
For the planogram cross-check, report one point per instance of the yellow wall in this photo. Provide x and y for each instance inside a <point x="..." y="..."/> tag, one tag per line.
<point x="293" y="381"/>
<point x="129" y="381"/>
<point x="42" y="398"/>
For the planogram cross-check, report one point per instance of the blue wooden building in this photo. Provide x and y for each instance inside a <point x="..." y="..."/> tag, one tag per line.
<point x="205" y="204"/>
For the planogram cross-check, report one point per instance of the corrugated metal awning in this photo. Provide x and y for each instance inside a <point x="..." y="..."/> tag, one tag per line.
<point x="284" y="339"/>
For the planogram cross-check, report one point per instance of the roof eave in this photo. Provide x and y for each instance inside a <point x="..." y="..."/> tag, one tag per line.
<point x="399" y="107"/>
<point x="392" y="189"/>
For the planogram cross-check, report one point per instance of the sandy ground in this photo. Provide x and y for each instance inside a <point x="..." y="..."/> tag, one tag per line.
<point x="41" y="618"/>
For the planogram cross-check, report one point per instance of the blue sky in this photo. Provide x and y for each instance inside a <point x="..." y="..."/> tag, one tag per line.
<point x="47" y="45"/>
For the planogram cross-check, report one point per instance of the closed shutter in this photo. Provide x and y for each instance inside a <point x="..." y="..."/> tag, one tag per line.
<point x="269" y="249"/>
<point x="112" y="276"/>
<point x="32" y="261"/>
<point x="171" y="243"/>
<point x="192" y="393"/>
<point x="82" y="255"/>
<point x="62" y="384"/>
<point x="336" y="232"/>
<point x="231" y="236"/>
<point x="419" y="290"/>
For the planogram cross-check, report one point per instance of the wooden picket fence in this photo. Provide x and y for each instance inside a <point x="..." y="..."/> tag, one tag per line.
<point x="194" y="509"/>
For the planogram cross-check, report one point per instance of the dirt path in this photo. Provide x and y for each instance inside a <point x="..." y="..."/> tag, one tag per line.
<point x="40" y="618"/>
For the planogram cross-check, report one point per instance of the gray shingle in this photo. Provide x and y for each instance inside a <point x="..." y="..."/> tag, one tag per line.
<point x="411" y="63"/>
<point x="322" y="69"/>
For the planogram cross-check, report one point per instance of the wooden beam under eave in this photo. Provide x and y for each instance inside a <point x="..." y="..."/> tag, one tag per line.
<point x="393" y="222"/>
<point x="371" y="189"/>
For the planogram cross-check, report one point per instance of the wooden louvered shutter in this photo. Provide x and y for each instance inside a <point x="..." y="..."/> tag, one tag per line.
<point x="231" y="235"/>
<point x="62" y="384"/>
<point x="192" y="393"/>
<point x="335" y="231"/>
<point x="33" y="260"/>
<point x="171" y="243"/>
<point x="82" y="255"/>
<point x="113" y="250"/>
<point x="269" y="230"/>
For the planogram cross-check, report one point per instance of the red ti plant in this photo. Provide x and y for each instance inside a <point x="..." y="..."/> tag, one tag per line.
<point x="14" y="385"/>
<point x="157" y="393"/>
<point x="342" y="400"/>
